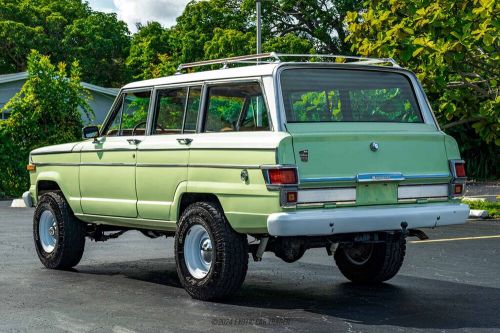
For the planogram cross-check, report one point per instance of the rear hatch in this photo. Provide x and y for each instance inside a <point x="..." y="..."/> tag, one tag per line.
<point x="364" y="130"/>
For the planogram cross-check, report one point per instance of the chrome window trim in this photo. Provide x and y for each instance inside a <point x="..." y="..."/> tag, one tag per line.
<point x="426" y="112"/>
<point x="205" y="95"/>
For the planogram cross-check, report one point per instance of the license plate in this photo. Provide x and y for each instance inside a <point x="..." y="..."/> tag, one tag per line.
<point x="377" y="194"/>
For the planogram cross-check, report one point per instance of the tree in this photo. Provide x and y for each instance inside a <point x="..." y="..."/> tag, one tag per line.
<point x="453" y="47"/>
<point x="65" y="30"/>
<point x="319" y="21"/>
<point x="45" y="112"/>
<point x="100" y="43"/>
<point x="148" y="44"/>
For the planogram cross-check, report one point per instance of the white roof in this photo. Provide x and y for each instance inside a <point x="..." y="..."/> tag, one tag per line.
<point x="228" y="73"/>
<point x="6" y="78"/>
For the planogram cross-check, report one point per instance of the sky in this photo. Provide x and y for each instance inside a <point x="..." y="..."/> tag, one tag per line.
<point x="142" y="11"/>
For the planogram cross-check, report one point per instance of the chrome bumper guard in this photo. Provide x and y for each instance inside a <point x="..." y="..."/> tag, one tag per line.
<point x="322" y="222"/>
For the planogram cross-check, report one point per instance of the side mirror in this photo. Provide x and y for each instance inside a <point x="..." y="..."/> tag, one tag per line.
<point x="90" y="132"/>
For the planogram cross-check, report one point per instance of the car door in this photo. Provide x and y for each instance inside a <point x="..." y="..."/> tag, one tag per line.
<point x="107" y="168"/>
<point x="162" y="158"/>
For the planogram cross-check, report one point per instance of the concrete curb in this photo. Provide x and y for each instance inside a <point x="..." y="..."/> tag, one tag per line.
<point x="18" y="203"/>
<point x="478" y="213"/>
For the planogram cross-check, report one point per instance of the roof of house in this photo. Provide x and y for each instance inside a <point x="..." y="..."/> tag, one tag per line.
<point x="6" y="78"/>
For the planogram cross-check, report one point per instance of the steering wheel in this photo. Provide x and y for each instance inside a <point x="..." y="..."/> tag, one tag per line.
<point x="144" y="123"/>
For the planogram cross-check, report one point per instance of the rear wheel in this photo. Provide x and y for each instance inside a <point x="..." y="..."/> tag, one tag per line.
<point x="371" y="262"/>
<point x="59" y="236"/>
<point x="211" y="258"/>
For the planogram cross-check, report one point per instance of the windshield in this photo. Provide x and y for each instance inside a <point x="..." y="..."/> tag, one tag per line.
<point x="340" y="95"/>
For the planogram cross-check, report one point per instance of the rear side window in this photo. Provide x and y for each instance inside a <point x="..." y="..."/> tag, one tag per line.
<point x="336" y="95"/>
<point x="176" y="110"/>
<point x="236" y="107"/>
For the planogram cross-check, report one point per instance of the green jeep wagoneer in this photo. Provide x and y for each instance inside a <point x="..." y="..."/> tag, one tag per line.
<point x="344" y="155"/>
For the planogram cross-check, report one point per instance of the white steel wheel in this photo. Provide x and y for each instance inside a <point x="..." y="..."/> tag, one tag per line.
<point x="198" y="252"/>
<point x="359" y="254"/>
<point x="47" y="229"/>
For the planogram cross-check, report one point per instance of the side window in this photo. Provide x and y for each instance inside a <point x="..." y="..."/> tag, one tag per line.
<point x="169" y="111"/>
<point x="192" y="109"/>
<point x="235" y="107"/>
<point x="131" y="118"/>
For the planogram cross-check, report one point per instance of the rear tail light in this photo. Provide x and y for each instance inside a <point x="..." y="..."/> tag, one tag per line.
<point x="457" y="168"/>
<point x="460" y="170"/>
<point x="285" y="176"/>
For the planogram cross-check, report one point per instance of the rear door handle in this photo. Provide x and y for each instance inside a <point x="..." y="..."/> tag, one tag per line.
<point x="185" y="141"/>
<point x="134" y="141"/>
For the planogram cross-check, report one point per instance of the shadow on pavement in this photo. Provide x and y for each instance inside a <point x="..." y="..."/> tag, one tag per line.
<point x="409" y="302"/>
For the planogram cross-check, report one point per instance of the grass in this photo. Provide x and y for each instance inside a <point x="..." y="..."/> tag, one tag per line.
<point x="493" y="208"/>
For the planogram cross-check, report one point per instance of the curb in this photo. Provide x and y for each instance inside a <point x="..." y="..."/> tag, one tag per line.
<point x="18" y="203"/>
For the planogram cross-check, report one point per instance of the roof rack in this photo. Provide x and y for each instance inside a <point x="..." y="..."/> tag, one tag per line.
<point x="274" y="57"/>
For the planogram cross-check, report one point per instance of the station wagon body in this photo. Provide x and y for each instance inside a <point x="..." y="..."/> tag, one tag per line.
<point x="346" y="156"/>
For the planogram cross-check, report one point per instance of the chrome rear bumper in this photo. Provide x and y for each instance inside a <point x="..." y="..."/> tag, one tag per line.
<point x="321" y="222"/>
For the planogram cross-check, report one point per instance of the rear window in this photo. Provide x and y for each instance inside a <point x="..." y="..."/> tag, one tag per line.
<point x="337" y="95"/>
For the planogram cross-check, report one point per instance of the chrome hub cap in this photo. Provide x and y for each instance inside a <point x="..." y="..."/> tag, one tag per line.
<point x="198" y="253"/>
<point x="47" y="231"/>
<point x="359" y="254"/>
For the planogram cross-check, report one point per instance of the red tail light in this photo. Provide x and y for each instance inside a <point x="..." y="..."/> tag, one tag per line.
<point x="283" y="176"/>
<point x="460" y="170"/>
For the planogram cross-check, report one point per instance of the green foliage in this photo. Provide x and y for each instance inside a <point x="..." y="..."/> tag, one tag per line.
<point x="65" y="30"/>
<point x="453" y="47"/>
<point x="493" y="208"/>
<point x="44" y="112"/>
<point x="148" y="49"/>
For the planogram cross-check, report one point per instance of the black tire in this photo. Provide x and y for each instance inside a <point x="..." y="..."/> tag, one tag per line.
<point x="383" y="262"/>
<point x="230" y="258"/>
<point x="70" y="233"/>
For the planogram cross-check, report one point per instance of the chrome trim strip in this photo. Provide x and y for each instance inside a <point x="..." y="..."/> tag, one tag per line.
<point x="42" y="164"/>
<point x="327" y="179"/>
<point x="161" y="165"/>
<point x="54" y="152"/>
<point x="379" y="177"/>
<point x="345" y="179"/>
<point x="224" y="166"/>
<point x="326" y="195"/>
<point x="429" y="176"/>
<point x="132" y="148"/>
<point x="106" y="164"/>
<point x="422" y="191"/>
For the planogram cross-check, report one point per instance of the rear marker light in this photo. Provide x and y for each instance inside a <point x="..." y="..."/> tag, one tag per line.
<point x="291" y="197"/>
<point x="282" y="176"/>
<point x="460" y="170"/>
<point x="458" y="188"/>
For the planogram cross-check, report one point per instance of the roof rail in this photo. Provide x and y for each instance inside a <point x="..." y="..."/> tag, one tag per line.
<point x="278" y="57"/>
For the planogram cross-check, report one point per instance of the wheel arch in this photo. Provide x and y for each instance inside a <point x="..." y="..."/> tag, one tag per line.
<point x="188" y="198"/>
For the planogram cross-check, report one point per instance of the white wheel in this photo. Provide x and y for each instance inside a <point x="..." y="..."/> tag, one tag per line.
<point x="198" y="252"/>
<point x="47" y="229"/>
<point x="359" y="254"/>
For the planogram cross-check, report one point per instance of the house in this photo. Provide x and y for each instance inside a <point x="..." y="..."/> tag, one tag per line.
<point x="100" y="101"/>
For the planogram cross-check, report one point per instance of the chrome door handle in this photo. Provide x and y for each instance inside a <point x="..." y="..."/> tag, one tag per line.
<point x="185" y="141"/>
<point x="134" y="141"/>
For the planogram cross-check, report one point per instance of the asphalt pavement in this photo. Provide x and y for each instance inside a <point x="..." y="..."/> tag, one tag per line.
<point x="130" y="285"/>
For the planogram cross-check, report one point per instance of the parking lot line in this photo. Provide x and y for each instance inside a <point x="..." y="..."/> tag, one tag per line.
<point x="453" y="239"/>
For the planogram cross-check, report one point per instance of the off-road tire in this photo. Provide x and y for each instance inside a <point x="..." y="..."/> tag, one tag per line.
<point x="385" y="261"/>
<point x="70" y="236"/>
<point x="230" y="261"/>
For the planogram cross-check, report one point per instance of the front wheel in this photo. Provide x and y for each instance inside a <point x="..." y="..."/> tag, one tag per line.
<point x="211" y="258"/>
<point x="371" y="262"/>
<point x="59" y="236"/>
